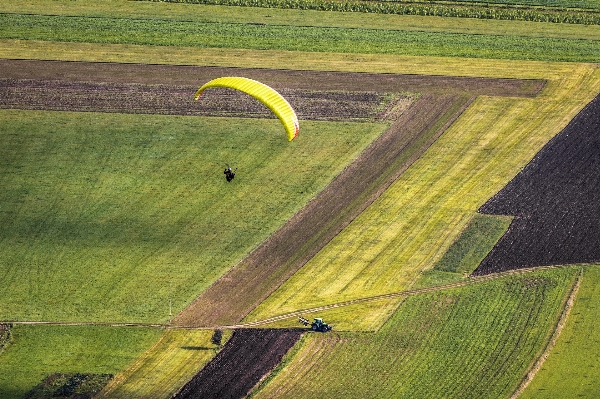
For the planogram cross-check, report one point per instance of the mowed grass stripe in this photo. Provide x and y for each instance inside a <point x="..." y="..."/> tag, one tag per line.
<point x="471" y="342"/>
<point x="275" y="16"/>
<point x="409" y="228"/>
<point x="274" y="59"/>
<point x="293" y="38"/>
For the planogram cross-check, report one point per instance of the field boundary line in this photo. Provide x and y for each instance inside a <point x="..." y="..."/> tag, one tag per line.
<point x="535" y="367"/>
<point x="391" y="295"/>
<point x="471" y="280"/>
<point x="83" y="323"/>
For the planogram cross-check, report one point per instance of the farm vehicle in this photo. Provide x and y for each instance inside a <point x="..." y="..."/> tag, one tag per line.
<point x="317" y="325"/>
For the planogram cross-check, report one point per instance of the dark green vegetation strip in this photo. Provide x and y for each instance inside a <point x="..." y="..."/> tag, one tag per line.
<point x="71" y="385"/>
<point x="4" y="335"/>
<point x="594" y="4"/>
<point x="473" y="244"/>
<point x="38" y="351"/>
<point x="283" y="37"/>
<point x="457" y="9"/>
<point x="471" y="342"/>
<point x="465" y="254"/>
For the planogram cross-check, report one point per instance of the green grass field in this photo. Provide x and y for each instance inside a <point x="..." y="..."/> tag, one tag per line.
<point x="126" y="218"/>
<point x="38" y="351"/>
<point x="573" y="366"/>
<point x="470" y="342"/>
<point x="109" y="217"/>
<point x="157" y="32"/>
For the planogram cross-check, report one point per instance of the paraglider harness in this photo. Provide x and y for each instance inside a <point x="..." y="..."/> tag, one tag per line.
<point x="229" y="175"/>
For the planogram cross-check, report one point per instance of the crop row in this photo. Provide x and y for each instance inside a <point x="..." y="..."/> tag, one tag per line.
<point x="438" y="10"/>
<point x="293" y="38"/>
<point x="475" y="341"/>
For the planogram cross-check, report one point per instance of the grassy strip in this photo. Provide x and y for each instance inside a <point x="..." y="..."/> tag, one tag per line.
<point x="423" y="9"/>
<point x="573" y="366"/>
<point x="473" y="245"/>
<point x="475" y="342"/>
<point x="69" y="385"/>
<point x="408" y="229"/>
<point x="110" y="217"/>
<point x="38" y="351"/>
<point x="164" y="368"/>
<point x="292" y="38"/>
<point x="380" y="63"/>
<point x="256" y="15"/>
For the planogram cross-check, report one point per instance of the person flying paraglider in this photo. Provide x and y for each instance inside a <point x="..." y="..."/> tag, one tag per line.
<point x="229" y="175"/>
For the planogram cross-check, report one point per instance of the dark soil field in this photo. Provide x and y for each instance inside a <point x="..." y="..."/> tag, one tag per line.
<point x="555" y="200"/>
<point x="35" y="94"/>
<point x="247" y="357"/>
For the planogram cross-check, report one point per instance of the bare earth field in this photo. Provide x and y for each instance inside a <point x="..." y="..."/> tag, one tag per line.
<point x="249" y="355"/>
<point x="555" y="202"/>
<point x="129" y="88"/>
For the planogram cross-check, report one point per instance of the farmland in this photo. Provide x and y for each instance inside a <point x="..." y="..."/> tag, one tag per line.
<point x="113" y="200"/>
<point x="558" y="184"/>
<point x="281" y="37"/>
<point x="481" y="338"/>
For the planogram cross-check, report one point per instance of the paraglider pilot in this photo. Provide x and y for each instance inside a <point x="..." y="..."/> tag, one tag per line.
<point x="229" y="175"/>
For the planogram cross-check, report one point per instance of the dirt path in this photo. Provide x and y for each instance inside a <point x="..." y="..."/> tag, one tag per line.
<point x="176" y="75"/>
<point x="250" y="282"/>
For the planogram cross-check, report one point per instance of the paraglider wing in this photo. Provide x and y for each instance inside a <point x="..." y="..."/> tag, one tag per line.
<point x="265" y="94"/>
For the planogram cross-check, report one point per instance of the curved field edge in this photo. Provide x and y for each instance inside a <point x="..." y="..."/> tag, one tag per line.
<point x="572" y="367"/>
<point x="407" y="230"/>
<point x="474" y="341"/>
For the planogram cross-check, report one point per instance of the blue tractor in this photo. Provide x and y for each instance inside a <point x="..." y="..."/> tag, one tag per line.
<point x="317" y="325"/>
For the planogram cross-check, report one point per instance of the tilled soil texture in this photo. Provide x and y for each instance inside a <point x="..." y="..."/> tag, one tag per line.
<point x="247" y="357"/>
<point x="233" y="296"/>
<point x="555" y="200"/>
<point x="194" y="76"/>
<point x="58" y="95"/>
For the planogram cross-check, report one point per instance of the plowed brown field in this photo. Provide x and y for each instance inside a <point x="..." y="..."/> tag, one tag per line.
<point x="555" y="202"/>
<point x="247" y="357"/>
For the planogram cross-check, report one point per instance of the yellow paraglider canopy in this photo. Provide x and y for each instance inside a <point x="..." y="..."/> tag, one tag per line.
<point x="265" y="94"/>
